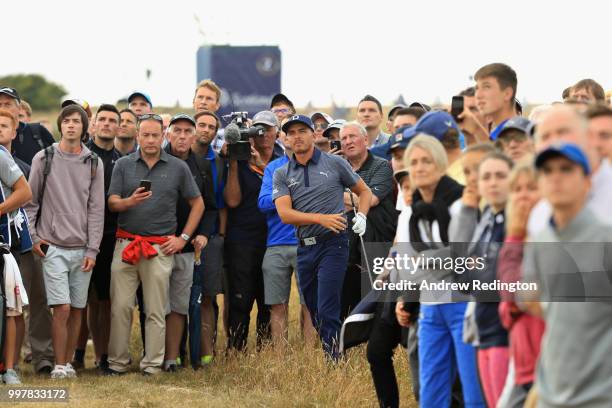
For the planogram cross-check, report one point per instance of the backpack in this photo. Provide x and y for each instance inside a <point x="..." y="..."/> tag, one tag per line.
<point x="49" y="152"/>
<point x="36" y="134"/>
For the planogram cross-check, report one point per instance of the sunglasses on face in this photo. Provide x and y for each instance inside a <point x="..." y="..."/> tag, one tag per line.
<point x="320" y="126"/>
<point x="513" y="137"/>
<point x="280" y="110"/>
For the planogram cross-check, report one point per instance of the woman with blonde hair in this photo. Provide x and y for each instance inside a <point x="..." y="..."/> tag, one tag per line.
<point x="442" y="351"/>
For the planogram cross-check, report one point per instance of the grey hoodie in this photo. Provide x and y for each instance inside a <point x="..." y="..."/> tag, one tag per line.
<point x="73" y="204"/>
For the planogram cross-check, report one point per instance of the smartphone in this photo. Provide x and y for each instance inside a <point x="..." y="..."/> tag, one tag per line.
<point x="335" y="144"/>
<point x="457" y="107"/>
<point x="146" y="184"/>
<point x="44" y="248"/>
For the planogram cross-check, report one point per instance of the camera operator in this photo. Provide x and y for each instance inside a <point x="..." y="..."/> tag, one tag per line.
<point x="245" y="242"/>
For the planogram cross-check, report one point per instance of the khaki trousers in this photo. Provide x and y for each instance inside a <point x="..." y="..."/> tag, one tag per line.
<point x="154" y="274"/>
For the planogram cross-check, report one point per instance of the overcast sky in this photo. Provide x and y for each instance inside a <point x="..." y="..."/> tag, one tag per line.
<point x="100" y="50"/>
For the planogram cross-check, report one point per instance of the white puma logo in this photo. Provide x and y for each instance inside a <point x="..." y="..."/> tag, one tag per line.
<point x="324" y="173"/>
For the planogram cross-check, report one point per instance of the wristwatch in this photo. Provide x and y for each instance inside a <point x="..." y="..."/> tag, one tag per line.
<point x="185" y="237"/>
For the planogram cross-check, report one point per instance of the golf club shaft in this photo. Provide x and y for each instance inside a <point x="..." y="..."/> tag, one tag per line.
<point x="365" y="255"/>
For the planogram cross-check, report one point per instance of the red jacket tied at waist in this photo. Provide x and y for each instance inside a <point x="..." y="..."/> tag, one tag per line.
<point x="139" y="247"/>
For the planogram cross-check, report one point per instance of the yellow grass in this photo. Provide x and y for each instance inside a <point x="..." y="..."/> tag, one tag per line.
<point x="254" y="379"/>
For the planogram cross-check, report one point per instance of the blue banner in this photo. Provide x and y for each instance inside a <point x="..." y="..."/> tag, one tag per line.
<point x="248" y="76"/>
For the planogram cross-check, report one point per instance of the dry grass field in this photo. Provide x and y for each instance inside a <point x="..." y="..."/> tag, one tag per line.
<point x="299" y="378"/>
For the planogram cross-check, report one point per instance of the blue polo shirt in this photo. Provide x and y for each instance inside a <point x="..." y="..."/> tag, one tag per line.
<point x="278" y="233"/>
<point x="217" y="174"/>
<point x="495" y="133"/>
<point x="317" y="187"/>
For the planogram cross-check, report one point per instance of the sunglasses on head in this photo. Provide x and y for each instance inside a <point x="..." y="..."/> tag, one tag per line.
<point x="153" y="116"/>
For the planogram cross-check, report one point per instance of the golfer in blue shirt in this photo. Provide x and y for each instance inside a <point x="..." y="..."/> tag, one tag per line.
<point x="309" y="193"/>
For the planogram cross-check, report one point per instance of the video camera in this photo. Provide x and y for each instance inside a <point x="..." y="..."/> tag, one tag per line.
<point x="237" y="135"/>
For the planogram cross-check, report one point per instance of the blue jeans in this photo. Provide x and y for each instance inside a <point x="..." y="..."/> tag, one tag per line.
<point x="321" y="270"/>
<point x="441" y="352"/>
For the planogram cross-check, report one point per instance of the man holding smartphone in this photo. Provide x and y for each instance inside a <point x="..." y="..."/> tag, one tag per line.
<point x="66" y="219"/>
<point x="146" y="241"/>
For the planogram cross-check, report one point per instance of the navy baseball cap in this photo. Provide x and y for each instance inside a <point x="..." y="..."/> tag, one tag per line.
<point x="401" y="138"/>
<point x="298" y="119"/>
<point x="281" y="98"/>
<point x="182" y="116"/>
<point x="12" y="92"/>
<point x="516" y="123"/>
<point x="142" y="95"/>
<point x="436" y="124"/>
<point x="568" y="150"/>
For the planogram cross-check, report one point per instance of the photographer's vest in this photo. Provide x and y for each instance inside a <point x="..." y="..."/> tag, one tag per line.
<point x="20" y="222"/>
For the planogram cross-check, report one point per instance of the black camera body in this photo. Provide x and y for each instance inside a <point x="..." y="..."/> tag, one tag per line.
<point x="238" y="135"/>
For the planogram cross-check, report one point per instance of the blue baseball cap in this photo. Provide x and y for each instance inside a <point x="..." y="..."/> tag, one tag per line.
<point x="298" y="119"/>
<point x="142" y="95"/>
<point x="516" y="123"/>
<point x="436" y="124"/>
<point x="401" y="138"/>
<point x="568" y="150"/>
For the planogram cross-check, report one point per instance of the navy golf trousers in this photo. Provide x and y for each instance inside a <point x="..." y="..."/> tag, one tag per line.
<point x="321" y="270"/>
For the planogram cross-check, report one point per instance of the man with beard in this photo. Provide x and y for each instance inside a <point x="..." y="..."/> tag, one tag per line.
<point x="125" y="142"/>
<point x="207" y="125"/>
<point x="98" y="313"/>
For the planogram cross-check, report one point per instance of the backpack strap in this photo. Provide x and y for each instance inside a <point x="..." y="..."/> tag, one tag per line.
<point x="36" y="134"/>
<point x="93" y="161"/>
<point x="49" y="152"/>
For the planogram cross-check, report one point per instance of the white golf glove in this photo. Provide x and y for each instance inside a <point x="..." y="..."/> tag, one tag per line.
<point x="359" y="224"/>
